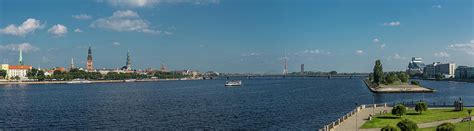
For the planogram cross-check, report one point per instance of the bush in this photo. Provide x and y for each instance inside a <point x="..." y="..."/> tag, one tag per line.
<point x="391" y="78"/>
<point x="421" y="106"/>
<point x="399" y="110"/>
<point x="407" y="125"/>
<point x="403" y="77"/>
<point x="446" y="127"/>
<point x="389" y="128"/>
<point x="415" y="83"/>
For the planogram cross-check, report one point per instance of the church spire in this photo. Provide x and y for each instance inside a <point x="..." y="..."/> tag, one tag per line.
<point x="129" y="63"/>
<point x="20" y="59"/>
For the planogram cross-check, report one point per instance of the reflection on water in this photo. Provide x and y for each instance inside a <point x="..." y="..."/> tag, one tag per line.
<point x="290" y="103"/>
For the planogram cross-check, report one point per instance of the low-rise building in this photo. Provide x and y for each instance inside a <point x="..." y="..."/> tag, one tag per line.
<point x="19" y="71"/>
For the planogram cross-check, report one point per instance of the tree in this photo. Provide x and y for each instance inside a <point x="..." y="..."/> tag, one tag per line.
<point x="378" y="72"/>
<point x="446" y="127"/>
<point x="407" y="125"/>
<point x="421" y="106"/>
<point x="333" y="72"/>
<point x="399" y="110"/>
<point x="403" y="77"/>
<point x="391" y="78"/>
<point x="371" y="77"/>
<point x="389" y="128"/>
<point x="3" y="73"/>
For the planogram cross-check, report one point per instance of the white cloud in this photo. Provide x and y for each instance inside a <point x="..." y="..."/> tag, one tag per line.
<point x="251" y="54"/>
<point x="359" y="52"/>
<point x="396" y="56"/>
<point x="376" y="40"/>
<point x="30" y="25"/>
<point x="150" y="3"/>
<point x="382" y="46"/>
<point x="125" y="21"/>
<point x="116" y="43"/>
<point x="78" y="30"/>
<point x="437" y="6"/>
<point x="314" y="51"/>
<point x="82" y="17"/>
<point x="25" y="47"/>
<point x="467" y="48"/>
<point x="441" y="54"/>
<point x="393" y="23"/>
<point x="58" y="30"/>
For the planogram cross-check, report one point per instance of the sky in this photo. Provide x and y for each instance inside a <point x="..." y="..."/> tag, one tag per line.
<point x="241" y="36"/>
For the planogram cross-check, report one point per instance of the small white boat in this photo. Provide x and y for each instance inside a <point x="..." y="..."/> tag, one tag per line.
<point x="233" y="83"/>
<point x="79" y="82"/>
<point x="130" y="80"/>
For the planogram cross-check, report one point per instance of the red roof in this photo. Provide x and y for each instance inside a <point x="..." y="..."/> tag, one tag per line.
<point x="20" y="67"/>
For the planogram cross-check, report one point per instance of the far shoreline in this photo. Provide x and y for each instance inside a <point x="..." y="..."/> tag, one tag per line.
<point x="91" y="81"/>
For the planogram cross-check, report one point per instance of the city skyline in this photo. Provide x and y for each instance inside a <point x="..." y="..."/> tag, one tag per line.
<point x="219" y="35"/>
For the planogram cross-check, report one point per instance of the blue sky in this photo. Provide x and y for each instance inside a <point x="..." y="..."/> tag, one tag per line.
<point x="238" y="35"/>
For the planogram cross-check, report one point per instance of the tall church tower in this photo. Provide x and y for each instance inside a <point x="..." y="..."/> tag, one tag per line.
<point x="90" y="63"/>
<point x="20" y="58"/>
<point x="129" y="63"/>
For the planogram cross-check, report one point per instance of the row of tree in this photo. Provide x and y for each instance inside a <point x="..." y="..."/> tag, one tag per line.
<point x="81" y="74"/>
<point x="380" y="77"/>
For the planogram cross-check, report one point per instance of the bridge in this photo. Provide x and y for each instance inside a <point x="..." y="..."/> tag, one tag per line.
<point x="250" y="76"/>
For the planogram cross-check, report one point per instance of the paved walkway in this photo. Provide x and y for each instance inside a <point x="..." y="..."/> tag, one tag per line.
<point x="358" y="120"/>
<point x="350" y="124"/>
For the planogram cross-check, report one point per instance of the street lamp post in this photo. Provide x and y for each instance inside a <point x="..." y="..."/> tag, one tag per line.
<point x="373" y="102"/>
<point x="469" y="111"/>
<point x="357" y="110"/>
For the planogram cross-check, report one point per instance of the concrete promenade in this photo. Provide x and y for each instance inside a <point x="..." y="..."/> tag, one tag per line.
<point x="356" y="121"/>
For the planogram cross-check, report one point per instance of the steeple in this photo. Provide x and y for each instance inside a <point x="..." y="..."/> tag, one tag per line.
<point x="129" y="63"/>
<point x="20" y="59"/>
<point x="90" y="63"/>
<point x="72" y="64"/>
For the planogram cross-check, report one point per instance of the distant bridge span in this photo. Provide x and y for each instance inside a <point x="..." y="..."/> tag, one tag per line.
<point x="348" y="76"/>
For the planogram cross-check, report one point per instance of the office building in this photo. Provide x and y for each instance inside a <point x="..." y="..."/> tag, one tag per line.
<point x="438" y="69"/>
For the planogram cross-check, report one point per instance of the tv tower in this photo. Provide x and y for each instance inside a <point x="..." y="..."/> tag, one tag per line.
<point x="285" y="70"/>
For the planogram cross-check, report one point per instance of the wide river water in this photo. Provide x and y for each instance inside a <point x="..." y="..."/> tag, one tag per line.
<point x="261" y="103"/>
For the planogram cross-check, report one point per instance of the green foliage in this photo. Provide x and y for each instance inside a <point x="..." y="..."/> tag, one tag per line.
<point x="391" y="78"/>
<point x="403" y="77"/>
<point x="415" y="83"/>
<point x="123" y="76"/>
<point x="378" y="72"/>
<point x="421" y="106"/>
<point x="446" y="127"/>
<point x="333" y="72"/>
<point x="390" y="128"/>
<point x="3" y="73"/>
<point x="407" y="125"/>
<point x="167" y="75"/>
<point x="399" y="110"/>
<point x="36" y="74"/>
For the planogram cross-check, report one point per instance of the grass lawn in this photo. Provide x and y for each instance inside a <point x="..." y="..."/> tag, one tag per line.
<point x="459" y="127"/>
<point x="431" y="115"/>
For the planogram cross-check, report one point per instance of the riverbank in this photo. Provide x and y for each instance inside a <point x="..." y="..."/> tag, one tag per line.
<point x="92" y="81"/>
<point x="401" y="88"/>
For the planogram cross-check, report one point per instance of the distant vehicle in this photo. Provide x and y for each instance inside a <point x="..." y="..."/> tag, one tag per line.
<point x="233" y="83"/>
<point x="79" y="81"/>
<point x="130" y="80"/>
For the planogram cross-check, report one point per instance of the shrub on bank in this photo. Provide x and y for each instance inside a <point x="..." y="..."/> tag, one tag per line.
<point x="421" y="106"/>
<point x="415" y="83"/>
<point x="390" y="128"/>
<point x="399" y="110"/>
<point x="407" y="125"/>
<point x="446" y="127"/>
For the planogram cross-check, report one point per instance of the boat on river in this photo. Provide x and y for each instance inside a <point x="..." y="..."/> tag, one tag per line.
<point x="130" y="80"/>
<point x="233" y="83"/>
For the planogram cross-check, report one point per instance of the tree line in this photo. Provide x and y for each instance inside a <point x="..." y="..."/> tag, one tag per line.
<point x="380" y="77"/>
<point x="81" y="74"/>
